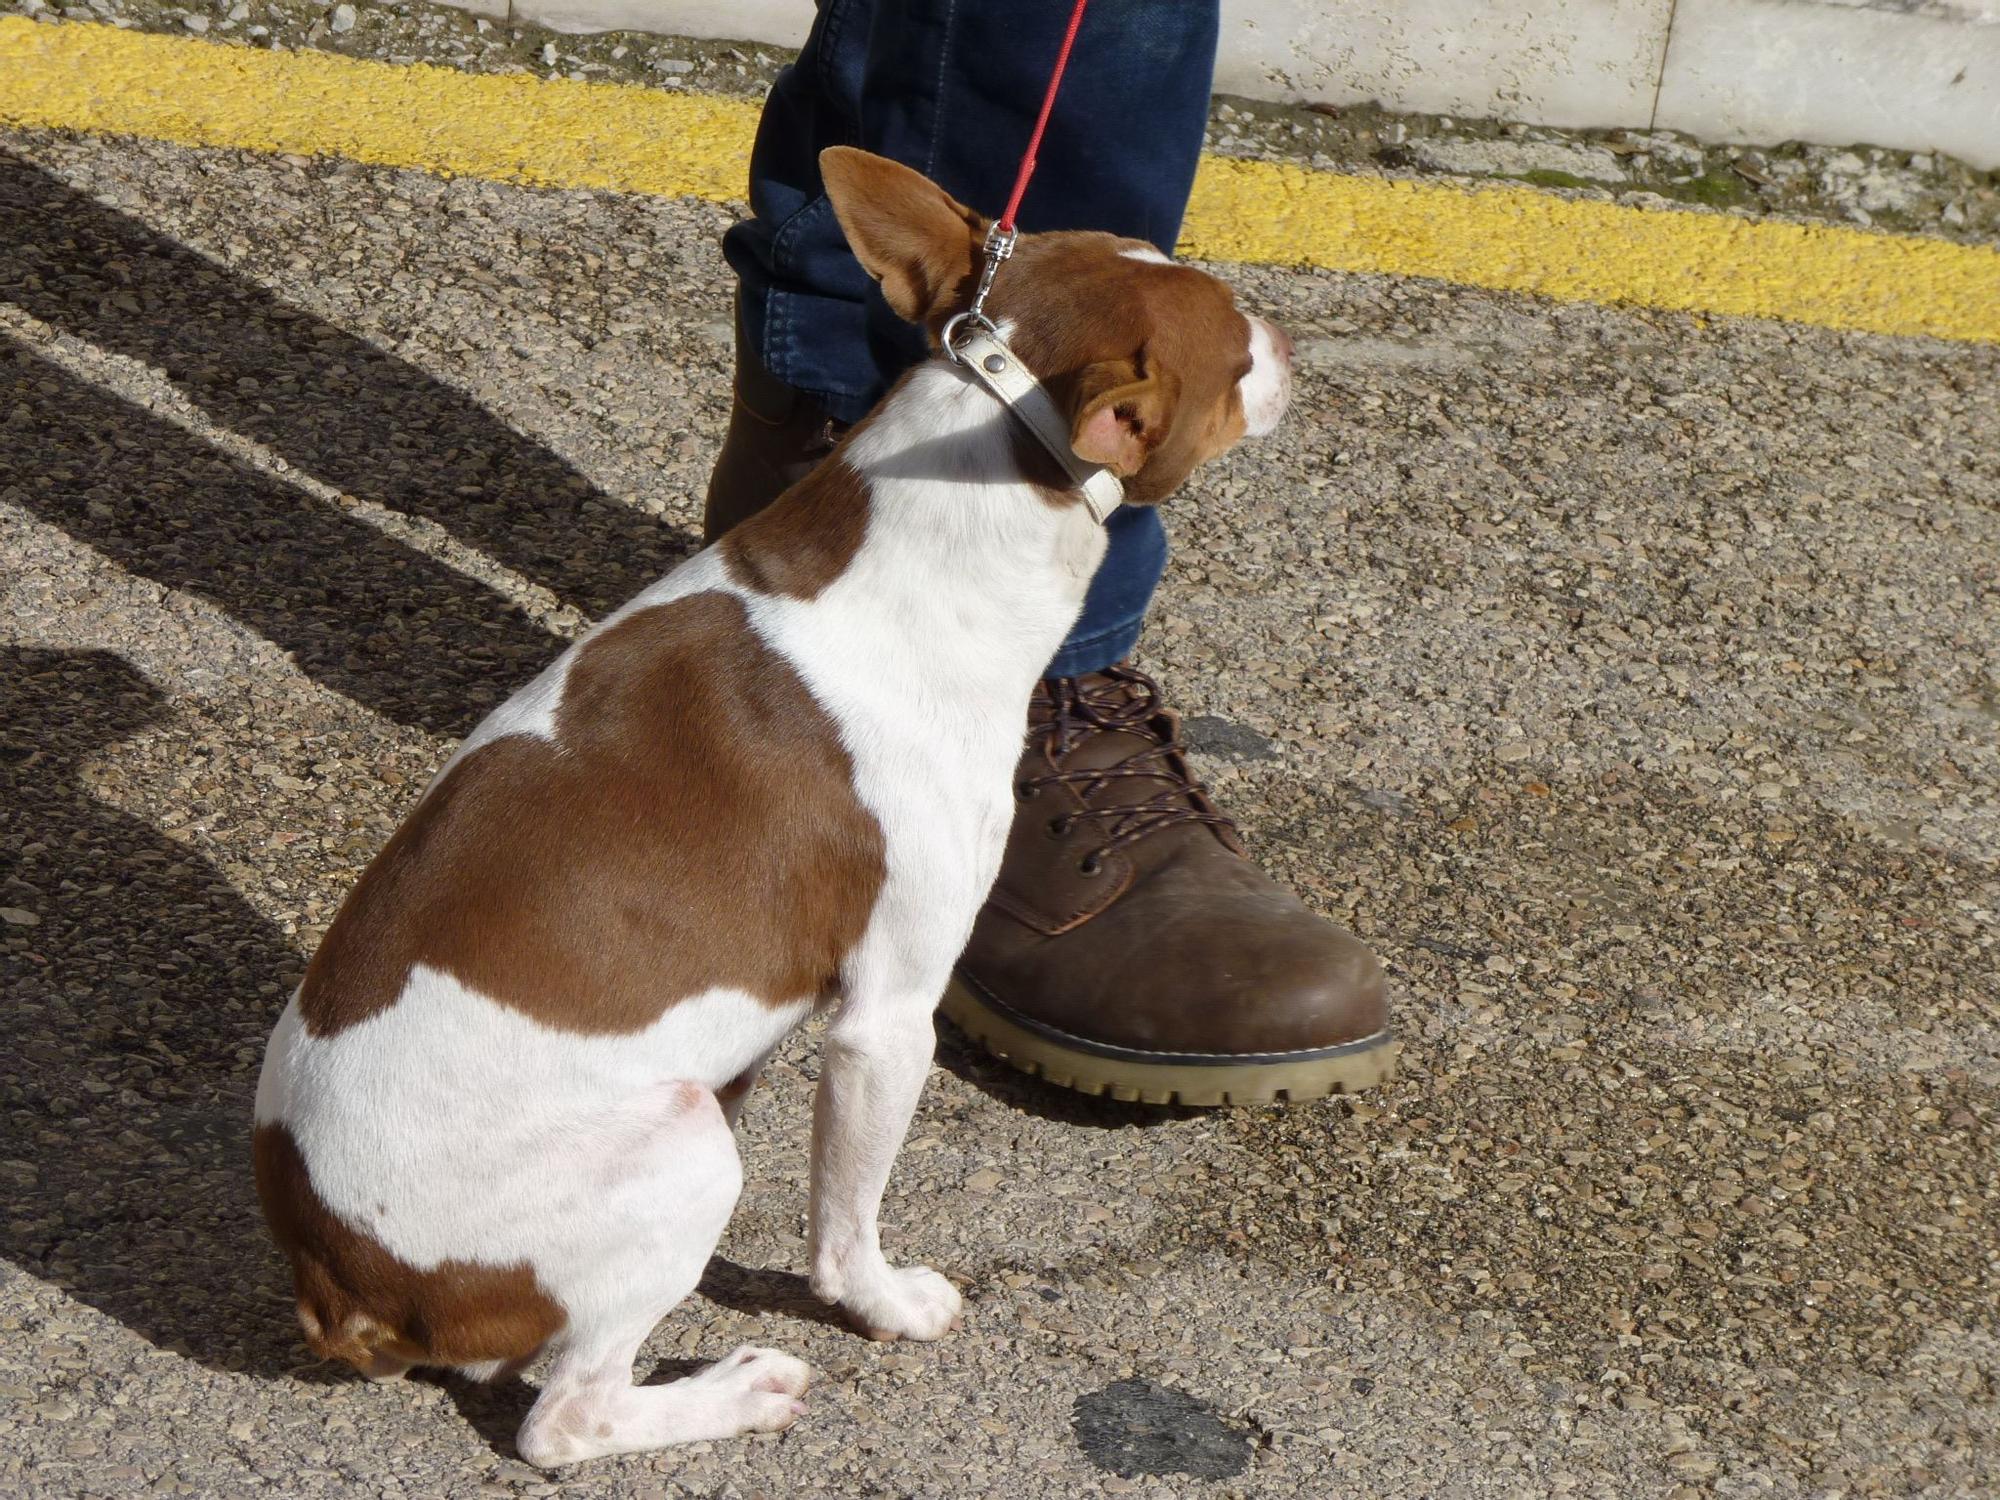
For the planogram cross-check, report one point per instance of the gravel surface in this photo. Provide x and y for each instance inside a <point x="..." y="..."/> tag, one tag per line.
<point x="1631" y="681"/>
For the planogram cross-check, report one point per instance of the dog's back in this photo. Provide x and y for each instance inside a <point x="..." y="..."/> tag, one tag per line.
<point x="648" y="874"/>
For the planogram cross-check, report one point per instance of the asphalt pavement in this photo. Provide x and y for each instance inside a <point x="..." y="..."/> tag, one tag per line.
<point x="1631" y="680"/>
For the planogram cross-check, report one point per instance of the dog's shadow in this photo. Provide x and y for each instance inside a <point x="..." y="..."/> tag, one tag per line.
<point x="139" y="985"/>
<point x="138" y="997"/>
<point x="750" y="1289"/>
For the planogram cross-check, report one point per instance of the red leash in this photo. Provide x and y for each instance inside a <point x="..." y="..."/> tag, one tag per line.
<point x="1005" y="223"/>
<point x="1000" y="238"/>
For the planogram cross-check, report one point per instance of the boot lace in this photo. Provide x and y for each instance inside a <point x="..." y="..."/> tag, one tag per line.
<point x="1119" y="700"/>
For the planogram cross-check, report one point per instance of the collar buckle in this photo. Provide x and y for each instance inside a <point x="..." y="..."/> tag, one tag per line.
<point x="996" y="367"/>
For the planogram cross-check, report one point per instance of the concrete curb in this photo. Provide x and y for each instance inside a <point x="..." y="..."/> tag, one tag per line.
<point x="1917" y="75"/>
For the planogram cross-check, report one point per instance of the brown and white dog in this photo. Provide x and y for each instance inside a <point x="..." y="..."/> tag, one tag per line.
<point x="496" y="1117"/>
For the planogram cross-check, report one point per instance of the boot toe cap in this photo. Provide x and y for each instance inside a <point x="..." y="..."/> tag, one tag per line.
<point x="1213" y="963"/>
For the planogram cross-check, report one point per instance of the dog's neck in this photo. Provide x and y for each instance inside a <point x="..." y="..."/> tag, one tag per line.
<point x="966" y="548"/>
<point x="941" y="437"/>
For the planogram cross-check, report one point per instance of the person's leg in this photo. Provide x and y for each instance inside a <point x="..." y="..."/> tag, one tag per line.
<point x="952" y="88"/>
<point x="1129" y="946"/>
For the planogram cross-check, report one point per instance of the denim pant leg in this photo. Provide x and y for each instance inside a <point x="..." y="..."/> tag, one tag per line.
<point x="952" y="87"/>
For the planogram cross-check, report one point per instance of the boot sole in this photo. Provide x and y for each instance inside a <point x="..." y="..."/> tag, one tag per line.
<point x="1156" y="1078"/>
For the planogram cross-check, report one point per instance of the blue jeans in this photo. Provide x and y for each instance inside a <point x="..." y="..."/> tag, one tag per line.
<point x="952" y="87"/>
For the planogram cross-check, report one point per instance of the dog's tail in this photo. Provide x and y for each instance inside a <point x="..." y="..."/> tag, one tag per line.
<point x="359" y="1303"/>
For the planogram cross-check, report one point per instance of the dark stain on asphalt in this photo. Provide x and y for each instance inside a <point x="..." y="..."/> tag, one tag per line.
<point x="1135" y="1427"/>
<point x="1211" y="734"/>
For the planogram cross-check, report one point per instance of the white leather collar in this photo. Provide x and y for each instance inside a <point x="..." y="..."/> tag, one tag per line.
<point x="995" y="366"/>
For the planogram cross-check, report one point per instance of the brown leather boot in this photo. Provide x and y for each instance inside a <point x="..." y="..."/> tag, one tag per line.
<point x="1129" y="947"/>
<point x="776" y="437"/>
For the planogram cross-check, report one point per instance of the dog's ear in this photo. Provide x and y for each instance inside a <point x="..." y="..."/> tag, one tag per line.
<point x="1121" y="415"/>
<point x="907" y="232"/>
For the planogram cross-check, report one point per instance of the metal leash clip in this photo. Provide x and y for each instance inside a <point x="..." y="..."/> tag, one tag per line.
<point x="999" y="245"/>
<point x="974" y="343"/>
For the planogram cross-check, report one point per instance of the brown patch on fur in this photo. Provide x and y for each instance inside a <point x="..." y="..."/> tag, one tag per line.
<point x="694" y="825"/>
<point x="359" y="1303"/>
<point x="806" y="538"/>
<point x="1163" y="343"/>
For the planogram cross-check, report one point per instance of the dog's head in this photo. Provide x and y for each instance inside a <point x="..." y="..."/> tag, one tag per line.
<point x="1156" y="368"/>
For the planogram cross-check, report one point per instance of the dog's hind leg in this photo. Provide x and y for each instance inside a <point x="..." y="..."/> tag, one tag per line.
<point x="641" y="1251"/>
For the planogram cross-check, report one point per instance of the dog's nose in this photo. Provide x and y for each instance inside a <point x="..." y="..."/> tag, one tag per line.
<point x="1267" y="384"/>
<point x="1280" y="340"/>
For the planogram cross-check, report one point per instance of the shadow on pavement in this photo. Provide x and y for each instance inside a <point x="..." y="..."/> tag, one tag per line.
<point x="137" y="1002"/>
<point x="748" y="1289"/>
<point x="139" y="986"/>
<point x="958" y="1054"/>
<point x="363" y="614"/>
<point x="333" y="405"/>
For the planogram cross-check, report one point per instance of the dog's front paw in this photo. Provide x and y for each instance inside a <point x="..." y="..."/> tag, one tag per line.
<point x="911" y="1303"/>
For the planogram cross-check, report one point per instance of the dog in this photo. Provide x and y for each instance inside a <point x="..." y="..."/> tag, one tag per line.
<point x="497" y="1116"/>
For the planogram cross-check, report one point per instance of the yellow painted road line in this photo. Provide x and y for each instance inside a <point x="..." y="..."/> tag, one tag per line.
<point x="560" y="133"/>
<point x="1520" y="240"/>
<point x="516" y="127"/>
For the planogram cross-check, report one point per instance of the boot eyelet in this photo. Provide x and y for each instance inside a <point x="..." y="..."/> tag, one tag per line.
<point x="1090" y="867"/>
<point x="1026" y="792"/>
<point x="1058" y="827"/>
